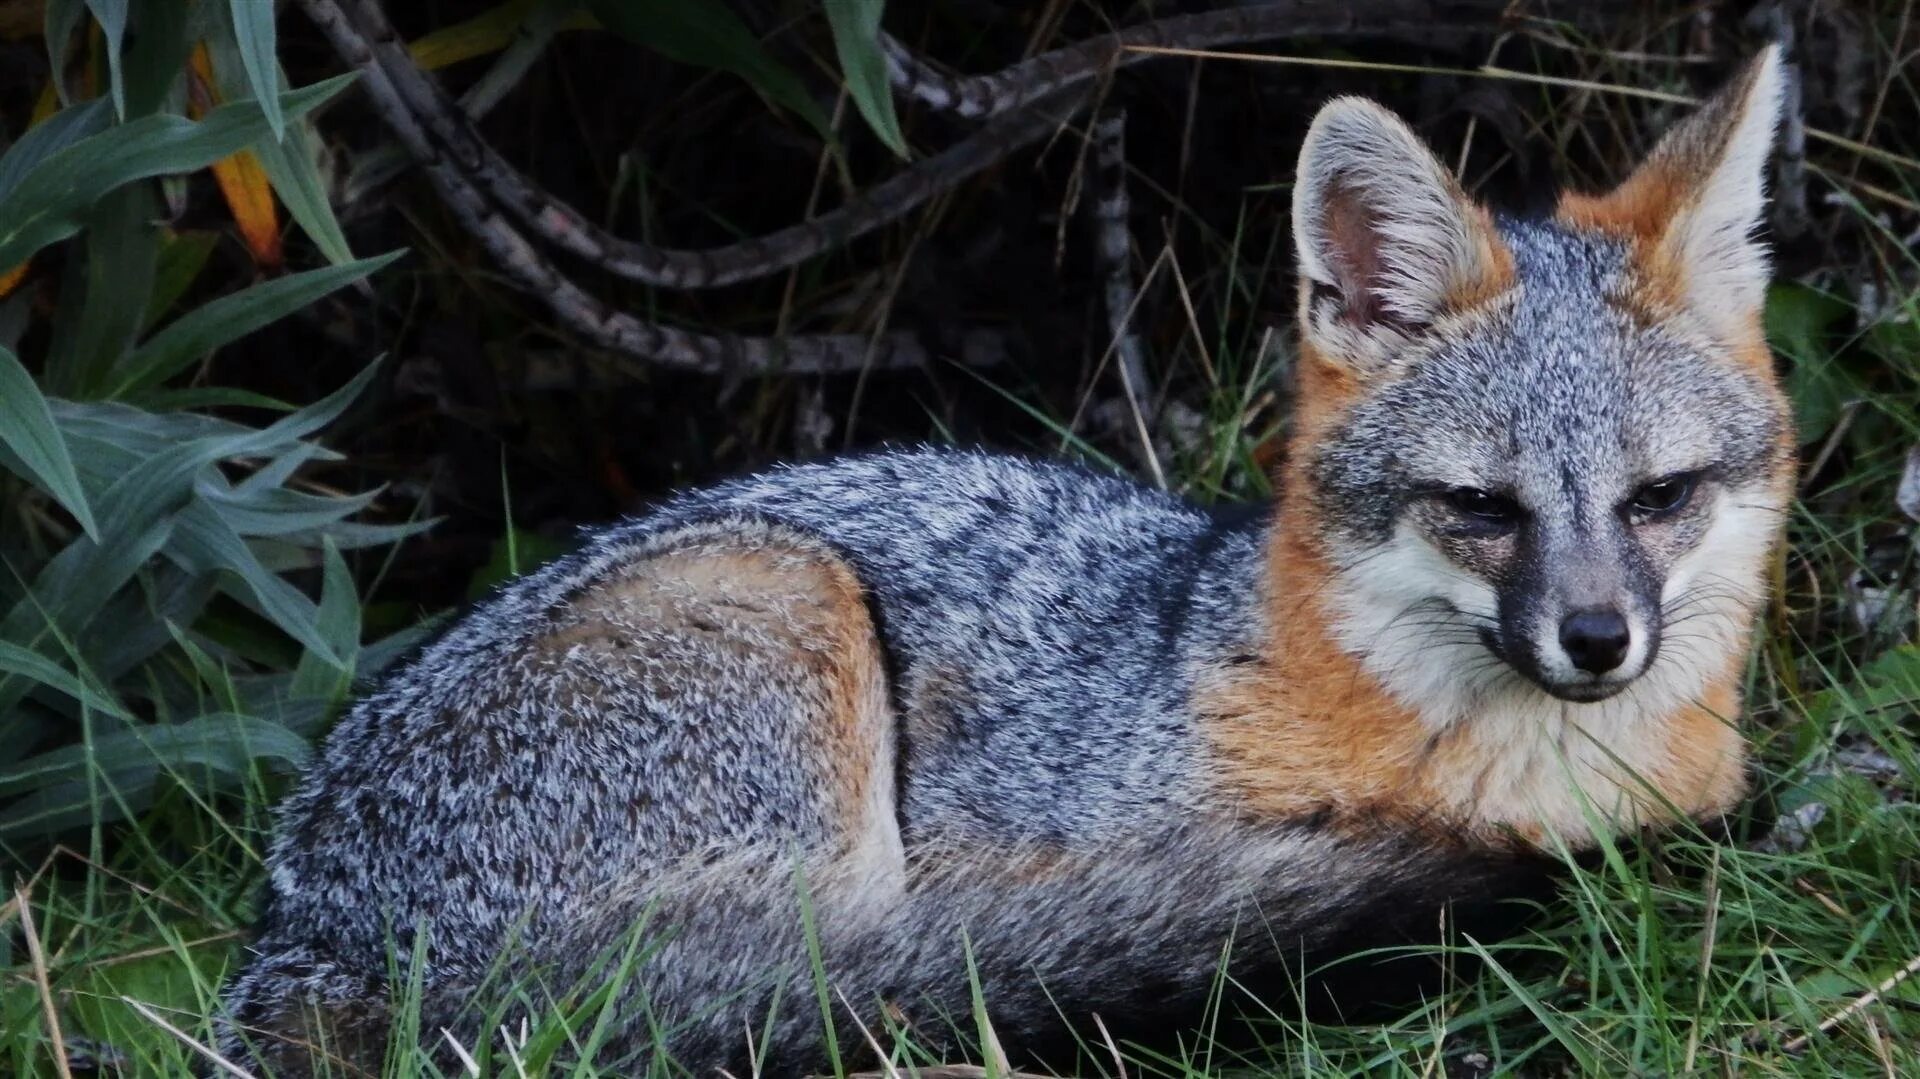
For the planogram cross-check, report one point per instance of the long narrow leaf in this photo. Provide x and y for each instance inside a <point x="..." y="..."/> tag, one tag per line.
<point x="73" y="587"/>
<point x="49" y="205"/>
<point x="276" y="511"/>
<point x="203" y="543"/>
<point x="122" y="250"/>
<point x="711" y="35"/>
<point x="112" y="16"/>
<point x="15" y="660"/>
<point x="230" y="318"/>
<point x="856" y="38"/>
<point x="339" y="624"/>
<point x="27" y="428"/>
<point x="55" y="133"/>
<point x="136" y="516"/>
<point x="62" y="19"/>
<point x="253" y="29"/>
<point x="65" y="782"/>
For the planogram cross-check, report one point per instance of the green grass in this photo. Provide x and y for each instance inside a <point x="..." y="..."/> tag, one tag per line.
<point x="1767" y="953"/>
<point x="1772" y="951"/>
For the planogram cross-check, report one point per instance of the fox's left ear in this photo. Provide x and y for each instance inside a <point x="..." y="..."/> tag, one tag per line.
<point x="1691" y="208"/>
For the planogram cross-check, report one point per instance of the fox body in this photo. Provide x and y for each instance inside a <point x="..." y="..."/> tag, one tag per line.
<point x="1072" y="734"/>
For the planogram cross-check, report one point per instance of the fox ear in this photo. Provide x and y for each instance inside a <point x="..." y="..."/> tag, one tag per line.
<point x="1692" y="206"/>
<point x="1387" y="242"/>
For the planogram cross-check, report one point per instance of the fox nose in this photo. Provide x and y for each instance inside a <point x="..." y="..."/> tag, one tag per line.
<point x="1596" y="639"/>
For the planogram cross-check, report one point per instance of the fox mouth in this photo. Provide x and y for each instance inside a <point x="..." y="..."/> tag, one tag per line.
<point x="1590" y="689"/>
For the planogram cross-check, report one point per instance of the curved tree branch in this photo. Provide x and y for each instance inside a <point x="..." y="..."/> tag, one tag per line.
<point x="554" y="221"/>
<point x="580" y="311"/>
<point x="1002" y="95"/>
<point x="1026" y="102"/>
<point x="1427" y="22"/>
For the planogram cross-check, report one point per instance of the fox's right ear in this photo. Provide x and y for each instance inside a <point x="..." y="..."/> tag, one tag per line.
<point x="1386" y="240"/>
<point x="1692" y="206"/>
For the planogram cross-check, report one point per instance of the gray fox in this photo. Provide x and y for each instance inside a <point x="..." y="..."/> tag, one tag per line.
<point x="852" y="740"/>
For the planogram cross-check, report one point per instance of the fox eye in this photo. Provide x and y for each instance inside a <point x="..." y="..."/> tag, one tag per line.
<point x="1663" y="497"/>
<point x="1484" y="508"/>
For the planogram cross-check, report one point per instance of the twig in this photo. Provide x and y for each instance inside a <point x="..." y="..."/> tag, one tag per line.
<point x="1863" y="1002"/>
<point x="1502" y="74"/>
<point x="1840" y="427"/>
<point x="1114" y="246"/>
<point x="212" y="1056"/>
<point x="1106" y="1038"/>
<point x="38" y="958"/>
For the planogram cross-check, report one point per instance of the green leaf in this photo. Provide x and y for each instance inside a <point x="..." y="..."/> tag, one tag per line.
<point x="211" y="397"/>
<point x="712" y="36"/>
<point x="203" y="542"/>
<point x="62" y="19"/>
<point x="275" y="511"/>
<point x="253" y="29"/>
<point x="157" y="49"/>
<point x="50" y="203"/>
<point x="182" y="256"/>
<point x="73" y="587"/>
<point x="230" y="318"/>
<point x="137" y="513"/>
<point x="856" y="38"/>
<point x="339" y="623"/>
<point x="27" y="428"/>
<point x="112" y="16"/>
<point x="1798" y="321"/>
<point x="122" y="249"/>
<point x="55" y="133"/>
<point x="67" y="783"/>
<point x="515" y="553"/>
<point x="15" y="660"/>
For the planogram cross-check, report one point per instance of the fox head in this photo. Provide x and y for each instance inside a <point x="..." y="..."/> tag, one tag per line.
<point x="1542" y="456"/>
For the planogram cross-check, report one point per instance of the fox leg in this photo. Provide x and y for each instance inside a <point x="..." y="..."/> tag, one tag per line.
<point x="711" y="689"/>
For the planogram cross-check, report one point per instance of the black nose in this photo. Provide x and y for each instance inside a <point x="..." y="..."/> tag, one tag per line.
<point x="1596" y="639"/>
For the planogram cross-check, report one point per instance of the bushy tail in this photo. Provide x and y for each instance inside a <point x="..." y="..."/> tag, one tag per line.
<point x="1134" y="932"/>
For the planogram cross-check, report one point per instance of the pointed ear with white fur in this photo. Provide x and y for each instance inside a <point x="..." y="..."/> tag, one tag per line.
<point x="1693" y="205"/>
<point x="1387" y="242"/>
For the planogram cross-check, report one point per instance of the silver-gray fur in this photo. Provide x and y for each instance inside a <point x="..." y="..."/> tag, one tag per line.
<point x="544" y="770"/>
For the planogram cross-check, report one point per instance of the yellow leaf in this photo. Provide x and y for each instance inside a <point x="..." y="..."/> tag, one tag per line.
<point x="250" y="197"/>
<point x="488" y="32"/>
<point x="243" y="183"/>
<point x="485" y="33"/>
<point x="45" y="105"/>
<point x="12" y="278"/>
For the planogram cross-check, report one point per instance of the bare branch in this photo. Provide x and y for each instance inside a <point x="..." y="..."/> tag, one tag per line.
<point x="1427" y="22"/>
